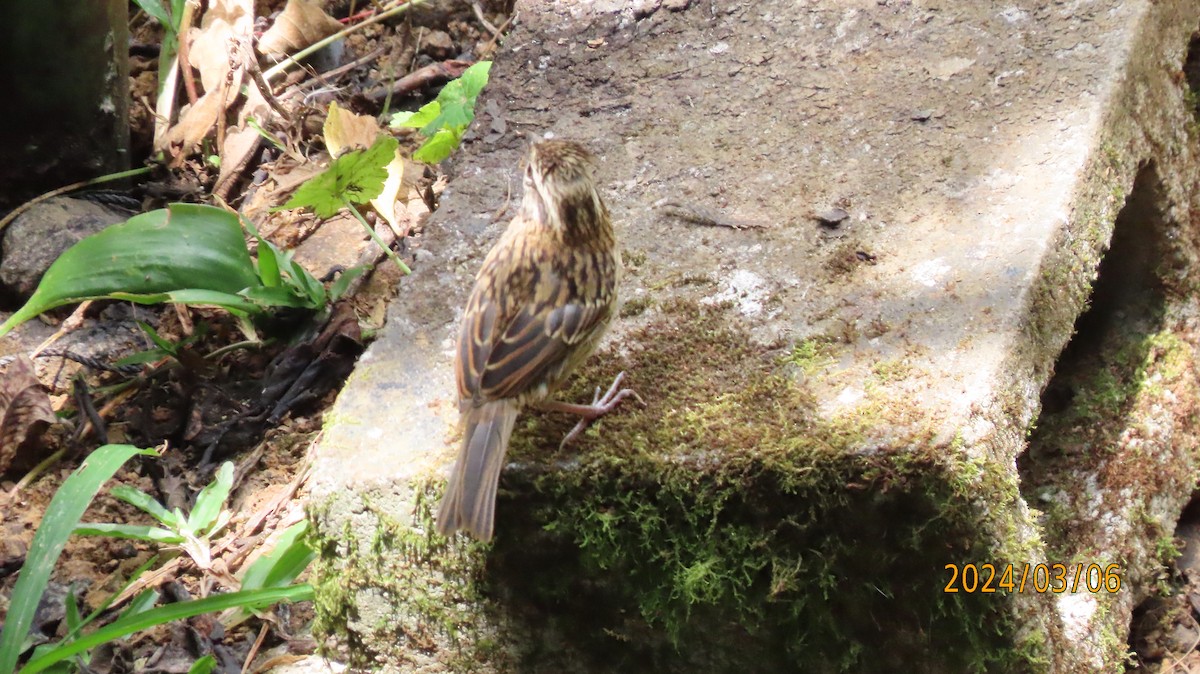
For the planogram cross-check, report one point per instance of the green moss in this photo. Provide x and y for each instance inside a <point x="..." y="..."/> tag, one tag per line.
<point x="726" y="522"/>
<point x="430" y="586"/>
<point x="812" y="355"/>
<point x="635" y="306"/>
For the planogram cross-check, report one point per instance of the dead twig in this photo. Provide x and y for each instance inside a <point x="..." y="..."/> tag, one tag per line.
<point x="483" y="20"/>
<point x="698" y="215"/>
<point x="422" y="77"/>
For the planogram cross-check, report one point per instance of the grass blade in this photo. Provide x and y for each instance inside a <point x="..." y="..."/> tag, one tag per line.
<point x="165" y="614"/>
<point x="63" y="513"/>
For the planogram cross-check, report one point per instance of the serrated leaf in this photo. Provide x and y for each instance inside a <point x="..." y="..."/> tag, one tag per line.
<point x="457" y="100"/>
<point x="356" y="177"/>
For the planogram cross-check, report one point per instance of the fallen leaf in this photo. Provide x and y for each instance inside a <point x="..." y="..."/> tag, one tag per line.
<point x="302" y="23"/>
<point x="25" y="411"/>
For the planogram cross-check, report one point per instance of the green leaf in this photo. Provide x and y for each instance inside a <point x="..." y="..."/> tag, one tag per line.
<point x="137" y="532"/>
<point x="418" y="119"/>
<point x="64" y="511"/>
<point x="457" y="100"/>
<point x="439" y="147"/>
<point x="343" y="281"/>
<point x="157" y="339"/>
<point x="268" y="263"/>
<point x="356" y="177"/>
<point x="156" y="10"/>
<point x="445" y="120"/>
<point x="281" y="297"/>
<point x="287" y="560"/>
<point x="146" y="503"/>
<point x="143" y="602"/>
<point x="72" y="616"/>
<point x="141" y="357"/>
<point x="211" y="499"/>
<point x="152" y="257"/>
<point x="127" y="625"/>
<point x="204" y="665"/>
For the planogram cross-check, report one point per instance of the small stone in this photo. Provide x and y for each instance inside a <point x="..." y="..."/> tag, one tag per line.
<point x="831" y="218"/>
<point x="38" y="236"/>
<point x="438" y="45"/>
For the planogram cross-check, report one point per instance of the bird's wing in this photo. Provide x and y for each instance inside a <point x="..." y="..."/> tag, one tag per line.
<point x="505" y="360"/>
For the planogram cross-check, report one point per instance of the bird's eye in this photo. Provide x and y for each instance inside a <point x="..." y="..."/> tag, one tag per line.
<point x="529" y="172"/>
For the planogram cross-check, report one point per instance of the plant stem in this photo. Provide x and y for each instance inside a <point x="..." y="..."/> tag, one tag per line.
<point x="375" y="237"/>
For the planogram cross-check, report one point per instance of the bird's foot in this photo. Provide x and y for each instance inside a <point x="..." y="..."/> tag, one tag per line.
<point x="601" y="405"/>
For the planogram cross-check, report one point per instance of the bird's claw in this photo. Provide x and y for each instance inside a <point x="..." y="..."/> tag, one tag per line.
<point x="600" y="406"/>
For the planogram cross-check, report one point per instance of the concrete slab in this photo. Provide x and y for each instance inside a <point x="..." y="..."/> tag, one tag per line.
<point x="837" y="407"/>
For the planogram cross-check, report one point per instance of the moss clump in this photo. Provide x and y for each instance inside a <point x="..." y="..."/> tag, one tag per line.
<point x="431" y="585"/>
<point x="726" y="525"/>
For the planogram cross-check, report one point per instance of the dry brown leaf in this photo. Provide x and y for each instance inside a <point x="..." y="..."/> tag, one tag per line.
<point x="301" y="23"/>
<point x="195" y="123"/>
<point x="25" y="411"/>
<point x="239" y="145"/>
<point x="284" y="178"/>
<point x="218" y="52"/>
<point x="223" y="22"/>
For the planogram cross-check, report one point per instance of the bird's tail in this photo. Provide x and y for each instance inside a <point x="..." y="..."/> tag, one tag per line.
<point x="470" y="499"/>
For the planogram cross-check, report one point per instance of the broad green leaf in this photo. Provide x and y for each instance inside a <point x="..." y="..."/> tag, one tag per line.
<point x="457" y="100"/>
<point x="211" y="499"/>
<point x="356" y="177"/>
<point x="439" y="147"/>
<point x="287" y="560"/>
<point x="60" y="518"/>
<point x="146" y="258"/>
<point x="126" y="625"/>
<point x="237" y="305"/>
<point x="278" y="568"/>
<point x="418" y="119"/>
<point x="138" y="532"/>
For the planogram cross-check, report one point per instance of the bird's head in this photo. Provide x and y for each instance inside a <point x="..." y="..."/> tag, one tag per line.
<point x="560" y="190"/>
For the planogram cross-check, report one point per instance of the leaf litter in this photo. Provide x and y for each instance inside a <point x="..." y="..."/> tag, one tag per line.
<point x="245" y="134"/>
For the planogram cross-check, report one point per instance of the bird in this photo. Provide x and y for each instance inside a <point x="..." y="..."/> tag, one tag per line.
<point x="542" y="300"/>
